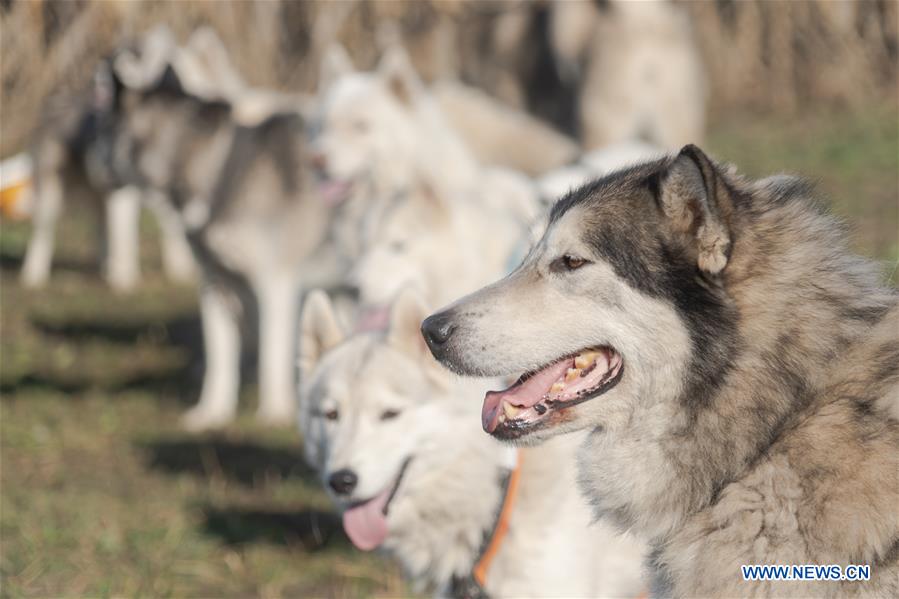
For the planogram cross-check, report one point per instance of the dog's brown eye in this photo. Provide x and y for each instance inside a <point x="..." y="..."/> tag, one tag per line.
<point x="568" y="262"/>
<point x="573" y="262"/>
<point x="389" y="414"/>
<point x="331" y="414"/>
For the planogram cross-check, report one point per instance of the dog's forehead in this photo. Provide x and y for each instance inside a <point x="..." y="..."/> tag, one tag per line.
<point x="361" y="368"/>
<point x="359" y="94"/>
<point x="613" y="199"/>
<point x="567" y="230"/>
<point x="335" y="374"/>
<point x="348" y="92"/>
<point x="607" y="192"/>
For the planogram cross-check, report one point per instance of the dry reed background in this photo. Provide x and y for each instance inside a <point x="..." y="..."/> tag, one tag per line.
<point x="760" y="54"/>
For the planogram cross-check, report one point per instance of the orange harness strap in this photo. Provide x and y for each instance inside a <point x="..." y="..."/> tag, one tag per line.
<point x="480" y="570"/>
<point x="502" y="526"/>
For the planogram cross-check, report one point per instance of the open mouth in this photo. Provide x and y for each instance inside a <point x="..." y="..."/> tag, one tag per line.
<point x="365" y="522"/>
<point x="334" y="191"/>
<point x="537" y="395"/>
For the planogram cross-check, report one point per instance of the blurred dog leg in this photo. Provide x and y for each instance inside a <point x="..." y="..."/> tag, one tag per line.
<point x="221" y="381"/>
<point x="177" y="258"/>
<point x="122" y="264"/>
<point x="278" y="305"/>
<point x="48" y="205"/>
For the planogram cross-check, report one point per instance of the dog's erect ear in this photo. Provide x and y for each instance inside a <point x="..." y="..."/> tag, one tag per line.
<point x="404" y="333"/>
<point x="409" y="309"/>
<point x="335" y="63"/>
<point x="406" y="314"/>
<point x="319" y="331"/>
<point x="697" y="202"/>
<point x="205" y="65"/>
<point x="144" y="69"/>
<point x="399" y="74"/>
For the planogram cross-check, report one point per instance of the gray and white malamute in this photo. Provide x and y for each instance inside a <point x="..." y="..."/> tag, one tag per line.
<point x="389" y="431"/>
<point x="75" y="155"/>
<point x="248" y="204"/>
<point x="736" y="367"/>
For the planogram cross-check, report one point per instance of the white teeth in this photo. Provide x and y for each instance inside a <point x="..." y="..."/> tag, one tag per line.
<point x="557" y="387"/>
<point x="585" y="359"/>
<point x="572" y="374"/>
<point x="510" y="411"/>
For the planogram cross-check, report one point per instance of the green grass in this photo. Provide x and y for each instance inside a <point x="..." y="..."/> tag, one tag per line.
<point x="853" y="158"/>
<point x="102" y="495"/>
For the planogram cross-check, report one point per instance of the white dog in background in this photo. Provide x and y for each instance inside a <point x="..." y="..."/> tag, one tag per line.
<point x="428" y="214"/>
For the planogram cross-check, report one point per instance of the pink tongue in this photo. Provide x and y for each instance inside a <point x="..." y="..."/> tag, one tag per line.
<point x="366" y="524"/>
<point x="373" y="319"/>
<point x="333" y="192"/>
<point x="523" y="395"/>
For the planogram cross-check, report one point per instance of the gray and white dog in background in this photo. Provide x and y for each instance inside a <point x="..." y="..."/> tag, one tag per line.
<point x="74" y="156"/>
<point x="240" y="182"/>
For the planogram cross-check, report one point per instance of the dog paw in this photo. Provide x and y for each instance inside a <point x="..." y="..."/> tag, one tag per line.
<point x="201" y="418"/>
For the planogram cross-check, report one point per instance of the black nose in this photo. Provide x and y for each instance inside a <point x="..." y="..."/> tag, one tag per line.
<point x="437" y="329"/>
<point x="343" y="481"/>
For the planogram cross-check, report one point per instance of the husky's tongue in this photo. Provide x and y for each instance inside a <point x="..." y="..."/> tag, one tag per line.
<point x="373" y="318"/>
<point x="333" y="192"/>
<point x="522" y="394"/>
<point x="366" y="524"/>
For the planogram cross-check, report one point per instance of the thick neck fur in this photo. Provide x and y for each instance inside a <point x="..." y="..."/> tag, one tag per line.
<point x="799" y="299"/>
<point x="437" y="525"/>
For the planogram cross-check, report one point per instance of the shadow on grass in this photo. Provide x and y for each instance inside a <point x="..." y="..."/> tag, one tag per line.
<point x="75" y="365"/>
<point x="180" y="388"/>
<point x="11" y="262"/>
<point x="184" y="331"/>
<point x="310" y="529"/>
<point x="245" y="463"/>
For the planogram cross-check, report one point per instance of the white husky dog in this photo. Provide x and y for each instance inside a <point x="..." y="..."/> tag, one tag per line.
<point x="440" y="246"/>
<point x="381" y="134"/>
<point x="422" y="211"/>
<point x="378" y="131"/>
<point x="390" y="432"/>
